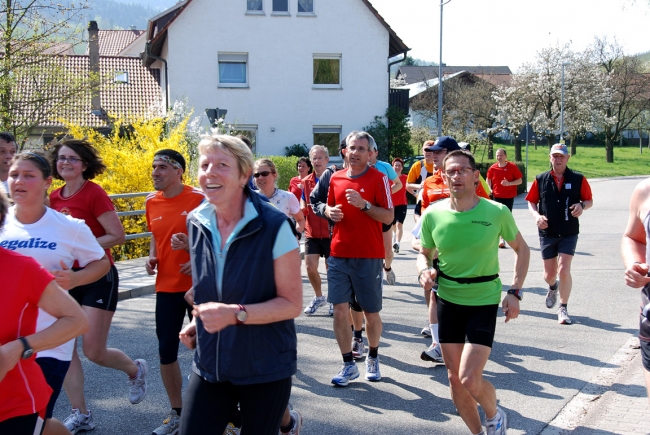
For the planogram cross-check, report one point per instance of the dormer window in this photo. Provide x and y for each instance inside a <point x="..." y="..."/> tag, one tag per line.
<point x="121" y="77"/>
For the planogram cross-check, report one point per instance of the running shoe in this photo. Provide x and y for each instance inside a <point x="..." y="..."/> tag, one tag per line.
<point x="331" y="312"/>
<point x="349" y="372"/>
<point x="502" y="243"/>
<point x="497" y="426"/>
<point x="170" y="425"/>
<point x="551" y="296"/>
<point x="372" y="369"/>
<point x="138" y="385"/>
<point x="231" y="429"/>
<point x="433" y="354"/>
<point x="396" y="248"/>
<point x="426" y="331"/>
<point x="563" y="316"/>
<point x="297" y="423"/>
<point x="77" y="421"/>
<point x="390" y="277"/>
<point x="358" y="348"/>
<point x="315" y="304"/>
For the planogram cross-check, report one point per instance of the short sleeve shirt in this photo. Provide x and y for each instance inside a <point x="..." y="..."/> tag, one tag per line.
<point x="284" y="201"/>
<point x="509" y="172"/>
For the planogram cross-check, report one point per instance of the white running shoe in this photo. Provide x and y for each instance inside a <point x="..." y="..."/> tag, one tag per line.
<point x="315" y="304"/>
<point x="551" y="296"/>
<point x="348" y="372"/>
<point x="499" y="426"/>
<point x="426" y="331"/>
<point x="297" y="423"/>
<point x="358" y="348"/>
<point x="563" y="316"/>
<point x="77" y="421"/>
<point x="170" y="425"/>
<point x="372" y="369"/>
<point x="138" y="385"/>
<point x="433" y="354"/>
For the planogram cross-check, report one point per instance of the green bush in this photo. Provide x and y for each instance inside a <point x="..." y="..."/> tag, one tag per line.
<point x="297" y="149"/>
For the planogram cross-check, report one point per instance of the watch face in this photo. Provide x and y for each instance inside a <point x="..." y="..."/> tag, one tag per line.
<point x="242" y="316"/>
<point x="27" y="353"/>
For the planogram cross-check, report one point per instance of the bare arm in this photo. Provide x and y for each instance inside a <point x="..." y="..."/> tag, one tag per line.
<point x="540" y="221"/>
<point x="114" y="230"/>
<point x="397" y="185"/>
<point x="152" y="261"/>
<point x="426" y="275"/>
<point x="633" y="243"/>
<point x="300" y="221"/>
<point x="68" y="279"/>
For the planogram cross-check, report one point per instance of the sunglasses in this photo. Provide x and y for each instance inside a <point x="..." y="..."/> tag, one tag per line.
<point x="261" y="174"/>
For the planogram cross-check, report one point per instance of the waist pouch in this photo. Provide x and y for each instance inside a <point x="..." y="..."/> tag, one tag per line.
<point x="473" y="280"/>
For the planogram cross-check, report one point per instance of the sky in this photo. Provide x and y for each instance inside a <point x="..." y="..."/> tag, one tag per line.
<point x="511" y="32"/>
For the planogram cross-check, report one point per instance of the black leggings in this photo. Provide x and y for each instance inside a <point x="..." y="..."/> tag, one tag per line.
<point x="30" y="424"/>
<point x="209" y="407"/>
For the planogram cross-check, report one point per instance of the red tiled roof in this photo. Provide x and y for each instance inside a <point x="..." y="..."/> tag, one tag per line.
<point x="140" y="97"/>
<point x="112" y="42"/>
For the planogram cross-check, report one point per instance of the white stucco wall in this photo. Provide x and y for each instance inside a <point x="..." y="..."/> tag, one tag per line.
<point x="280" y="67"/>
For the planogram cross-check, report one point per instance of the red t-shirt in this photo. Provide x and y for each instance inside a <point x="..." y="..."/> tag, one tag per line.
<point x="88" y="203"/>
<point x="585" y="190"/>
<point x="358" y="235"/>
<point x="315" y="227"/>
<point x="399" y="197"/>
<point x="23" y="390"/>
<point x="435" y="189"/>
<point x="497" y="173"/>
<point x="293" y="187"/>
<point x="166" y="217"/>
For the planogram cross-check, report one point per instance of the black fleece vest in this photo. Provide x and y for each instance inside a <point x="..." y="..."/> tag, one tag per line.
<point x="555" y="204"/>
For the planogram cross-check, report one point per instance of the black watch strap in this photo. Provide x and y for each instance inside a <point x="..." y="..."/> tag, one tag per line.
<point x="27" y="349"/>
<point x="517" y="292"/>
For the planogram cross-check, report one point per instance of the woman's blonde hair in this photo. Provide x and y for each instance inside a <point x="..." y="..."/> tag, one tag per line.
<point x="232" y="145"/>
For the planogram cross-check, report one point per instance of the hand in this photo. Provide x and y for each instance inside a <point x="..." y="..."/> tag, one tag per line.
<point x="186" y="269"/>
<point x="10" y="354"/>
<point x="510" y="307"/>
<point x="150" y="265"/>
<point x="180" y="242"/>
<point x="636" y="275"/>
<point x="215" y="316"/>
<point x="505" y="182"/>
<point x="189" y="296"/>
<point x="427" y="278"/>
<point x="354" y="198"/>
<point x="65" y="277"/>
<point x="542" y="222"/>
<point x="576" y="209"/>
<point x="334" y="213"/>
<point x="188" y="336"/>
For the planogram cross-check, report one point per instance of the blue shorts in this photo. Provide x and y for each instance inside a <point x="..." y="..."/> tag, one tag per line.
<point x="348" y="278"/>
<point x="54" y="371"/>
<point x="552" y="246"/>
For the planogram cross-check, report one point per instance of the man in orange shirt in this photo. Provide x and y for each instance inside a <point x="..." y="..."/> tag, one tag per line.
<point x="166" y="211"/>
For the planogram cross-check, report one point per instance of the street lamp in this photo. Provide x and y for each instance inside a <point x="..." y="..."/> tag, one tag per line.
<point x="562" y="104"/>
<point x="442" y="3"/>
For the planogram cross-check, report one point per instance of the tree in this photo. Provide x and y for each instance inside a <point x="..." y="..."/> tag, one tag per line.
<point x="392" y="134"/>
<point x="34" y="35"/>
<point x="630" y="90"/>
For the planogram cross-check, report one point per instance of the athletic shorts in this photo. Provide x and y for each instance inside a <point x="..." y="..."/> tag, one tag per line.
<point x="54" y="371"/>
<point x="552" y="246"/>
<point x="645" y="354"/>
<point x="355" y="277"/>
<point x="317" y="246"/>
<point x="386" y="228"/>
<point x="400" y="213"/>
<point x="508" y="202"/>
<point x="31" y="424"/>
<point x="418" y="208"/>
<point x="466" y="324"/>
<point x="171" y="309"/>
<point x="100" y="294"/>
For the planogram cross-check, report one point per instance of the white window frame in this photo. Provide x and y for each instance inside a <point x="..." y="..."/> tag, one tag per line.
<point x="224" y="57"/>
<point x="281" y="13"/>
<point x="306" y="14"/>
<point x="121" y="77"/>
<point x="246" y="127"/>
<point x="334" y="157"/>
<point x="255" y="12"/>
<point x="338" y="57"/>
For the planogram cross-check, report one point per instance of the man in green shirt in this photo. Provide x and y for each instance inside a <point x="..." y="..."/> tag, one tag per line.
<point x="465" y="230"/>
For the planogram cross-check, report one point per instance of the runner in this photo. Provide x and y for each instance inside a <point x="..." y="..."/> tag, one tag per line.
<point x="503" y="178"/>
<point x="166" y="212"/>
<point x="401" y="205"/>
<point x="359" y="200"/>
<point x="464" y="229"/>
<point x="7" y="150"/>
<point x="416" y="176"/>
<point x="556" y="200"/>
<point x="77" y="163"/>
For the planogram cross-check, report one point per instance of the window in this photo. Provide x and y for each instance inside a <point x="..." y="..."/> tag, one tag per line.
<point x="121" y="77"/>
<point x="281" y="6"/>
<point x="305" y="6"/>
<point x="233" y="71"/>
<point x="254" y="6"/>
<point x="248" y="130"/>
<point x="330" y="137"/>
<point x="327" y="71"/>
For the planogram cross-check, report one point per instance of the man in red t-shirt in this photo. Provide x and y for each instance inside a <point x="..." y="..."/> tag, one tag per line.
<point x="358" y="202"/>
<point x="166" y="212"/>
<point x="503" y="178"/>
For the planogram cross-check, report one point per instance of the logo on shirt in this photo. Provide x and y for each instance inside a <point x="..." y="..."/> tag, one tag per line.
<point x="184" y="213"/>
<point x="484" y="223"/>
<point x="33" y="243"/>
<point x="65" y="211"/>
<point x="362" y="190"/>
<point x="156" y="219"/>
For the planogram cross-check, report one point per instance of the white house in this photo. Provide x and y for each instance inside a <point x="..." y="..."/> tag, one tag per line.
<point x="286" y="71"/>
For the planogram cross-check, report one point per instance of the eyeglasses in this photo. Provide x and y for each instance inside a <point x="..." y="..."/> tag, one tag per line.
<point x="71" y="160"/>
<point x="466" y="170"/>
<point x="261" y="174"/>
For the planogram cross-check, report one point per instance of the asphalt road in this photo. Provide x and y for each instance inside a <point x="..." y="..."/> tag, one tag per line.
<point x="536" y="364"/>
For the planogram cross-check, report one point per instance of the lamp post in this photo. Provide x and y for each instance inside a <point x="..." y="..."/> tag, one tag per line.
<point x="442" y="3"/>
<point x="562" y="104"/>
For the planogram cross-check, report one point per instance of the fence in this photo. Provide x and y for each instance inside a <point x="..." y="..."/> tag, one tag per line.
<point x="131" y="213"/>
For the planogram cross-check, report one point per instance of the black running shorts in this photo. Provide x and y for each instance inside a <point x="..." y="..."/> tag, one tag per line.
<point x="466" y="324"/>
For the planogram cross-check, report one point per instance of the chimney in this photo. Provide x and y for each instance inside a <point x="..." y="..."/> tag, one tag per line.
<point x="93" y="52"/>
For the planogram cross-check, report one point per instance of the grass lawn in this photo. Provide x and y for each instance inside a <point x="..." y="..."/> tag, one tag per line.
<point x="590" y="160"/>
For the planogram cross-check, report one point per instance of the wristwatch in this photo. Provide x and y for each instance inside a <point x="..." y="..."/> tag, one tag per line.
<point x="27" y="349"/>
<point x="241" y="315"/>
<point x="366" y="207"/>
<point x="517" y="292"/>
<point x="582" y="204"/>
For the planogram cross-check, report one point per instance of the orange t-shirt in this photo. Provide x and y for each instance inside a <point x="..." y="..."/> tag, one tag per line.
<point x="435" y="189"/>
<point x="166" y="217"/>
